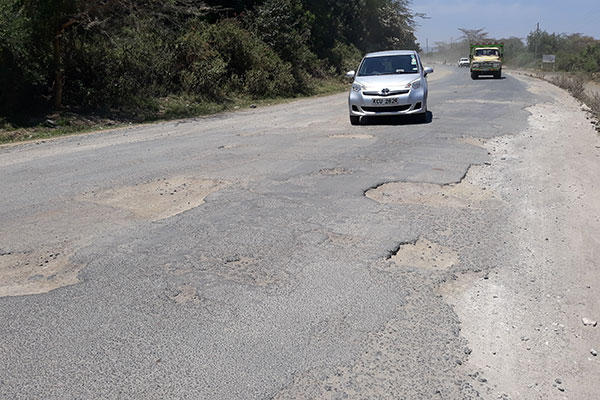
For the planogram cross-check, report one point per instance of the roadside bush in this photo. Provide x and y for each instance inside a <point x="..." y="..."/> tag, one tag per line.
<point x="202" y="70"/>
<point x="589" y="59"/>
<point x="143" y="59"/>
<point x="573" y="84"/>
<point x="576" y="84"/>
<point x="263" y="82"/>
<point x="120" y="73"/>
<point x="22" y="77"/>
<point x="285" y="27"/>
<point x="594" y="103"/>
<point x="224" y="58"/>
<point x="344" y="57"/>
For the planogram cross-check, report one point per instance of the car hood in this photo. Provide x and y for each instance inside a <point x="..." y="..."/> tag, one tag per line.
<point x="386" y="81"/>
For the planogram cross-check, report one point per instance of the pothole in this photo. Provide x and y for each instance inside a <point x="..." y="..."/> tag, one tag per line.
<point x="185" y="295"/>
<point x="463" y="194"/>
<point x="334" y="171"/>
<point x="249" y="271"/>
<point x="35" y="272"/>
<point x="159" y="199"/>
<point x="352" y="136"/>
<point x="342" y="239"/>
<point x="229" y="146"/>
<point x="473" y="141"/>
<point x="422" y="254"/>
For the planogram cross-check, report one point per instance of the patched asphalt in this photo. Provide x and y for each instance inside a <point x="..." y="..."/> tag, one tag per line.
<point x="276" y="286"/>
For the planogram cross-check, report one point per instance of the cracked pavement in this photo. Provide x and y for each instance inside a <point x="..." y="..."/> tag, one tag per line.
<point x="273" y="276"/>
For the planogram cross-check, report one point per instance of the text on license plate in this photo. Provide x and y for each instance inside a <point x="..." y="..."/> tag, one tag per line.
<point x="393" y="100"/>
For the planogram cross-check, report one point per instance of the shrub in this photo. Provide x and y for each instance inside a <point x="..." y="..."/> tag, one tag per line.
<point x="118" y="72"/>
<point x="21" y="76"/>
<point x="225" y="57"/>
<point x="285" y="27"/>
<point x="574" y="84"/>
<point x="344" y="57"/>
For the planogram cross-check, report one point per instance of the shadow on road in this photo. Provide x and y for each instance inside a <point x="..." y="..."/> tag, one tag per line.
<point x="397" y="120"/>
<point x="488" y="77"/>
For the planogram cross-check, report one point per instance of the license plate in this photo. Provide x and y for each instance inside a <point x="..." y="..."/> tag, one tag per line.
<point x="385" y="102"/>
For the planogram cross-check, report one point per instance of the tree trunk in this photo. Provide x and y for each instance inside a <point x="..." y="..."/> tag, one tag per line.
<point x="59" y="73"/>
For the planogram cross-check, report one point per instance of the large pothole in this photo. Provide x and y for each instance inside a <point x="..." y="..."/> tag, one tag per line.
<point x="459" y="195"/>
<point x="334" y="171"/>
<point x="35" y="272"/>
<point x="159" y="199"/>
<point x="422" y="254"/>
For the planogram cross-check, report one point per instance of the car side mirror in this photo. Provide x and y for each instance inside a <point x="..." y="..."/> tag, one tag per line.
<point x="350" y="74"/>
<point x="427" y="71"/>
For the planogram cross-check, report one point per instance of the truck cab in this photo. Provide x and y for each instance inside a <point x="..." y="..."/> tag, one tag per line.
<point x="486" y="59"/>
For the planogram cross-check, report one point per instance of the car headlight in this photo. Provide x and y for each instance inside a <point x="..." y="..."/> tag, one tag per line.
<point x="414" y="84"/>
<point x="357" y="87"/>
<point x="496" y="65"/>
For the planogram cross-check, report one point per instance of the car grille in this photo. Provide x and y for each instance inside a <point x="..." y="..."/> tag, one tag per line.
<point x="387" y="109"/>
<point x="391" y="93"/>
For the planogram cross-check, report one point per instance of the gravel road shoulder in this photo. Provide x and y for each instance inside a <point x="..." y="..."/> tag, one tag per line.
<point x="524" y="316"/>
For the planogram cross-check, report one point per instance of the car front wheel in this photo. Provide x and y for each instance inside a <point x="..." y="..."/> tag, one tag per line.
<point x="354" y="120"/>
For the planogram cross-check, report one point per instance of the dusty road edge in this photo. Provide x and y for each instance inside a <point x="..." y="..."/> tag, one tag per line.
<point x="524" y="321"/>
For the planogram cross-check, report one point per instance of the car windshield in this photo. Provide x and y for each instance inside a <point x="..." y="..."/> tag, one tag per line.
<point x="389" y="65"/>
<point x="486" y="52"/>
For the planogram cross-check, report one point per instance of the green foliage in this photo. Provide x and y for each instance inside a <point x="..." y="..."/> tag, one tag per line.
<point x="344" y="57"/>
<point x="571" y="50"/>
<point x="125" y="57"/>
<point x="388" y="25"/>
<point x="20" y="73"/>
<point x="284" y="25"/>
<point x="224" y="58"/>
<point x="589" y="59"/>
<point x="119" y="71"/>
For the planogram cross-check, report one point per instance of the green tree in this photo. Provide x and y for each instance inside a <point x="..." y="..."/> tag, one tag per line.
<point x="388" y="24"/>
<point x="473" y="35"/>
<point x="285" y="26"/>
<point x="19" y="74"/>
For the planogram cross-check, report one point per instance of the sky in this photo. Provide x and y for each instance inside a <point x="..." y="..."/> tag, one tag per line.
<point x="506" y="18"/>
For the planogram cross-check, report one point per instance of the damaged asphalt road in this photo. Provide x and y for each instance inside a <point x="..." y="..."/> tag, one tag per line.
<point x="282" y="253"/>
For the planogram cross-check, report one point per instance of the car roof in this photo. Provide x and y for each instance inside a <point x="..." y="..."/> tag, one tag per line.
<point x="391" y="53"/>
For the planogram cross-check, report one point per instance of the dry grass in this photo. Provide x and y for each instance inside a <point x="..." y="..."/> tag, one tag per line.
<point x="576" y="84"/>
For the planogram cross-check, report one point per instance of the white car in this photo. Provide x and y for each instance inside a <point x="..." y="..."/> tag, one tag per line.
<point x="464" y="62"/>
<point x="389" y="83"/>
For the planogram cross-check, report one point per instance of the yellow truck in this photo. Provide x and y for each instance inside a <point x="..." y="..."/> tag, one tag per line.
<point x="486" y="59"/>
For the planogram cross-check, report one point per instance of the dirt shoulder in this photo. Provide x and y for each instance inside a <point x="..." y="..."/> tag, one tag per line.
<point x="592" y="88"/>
<point x="527" y="320"/>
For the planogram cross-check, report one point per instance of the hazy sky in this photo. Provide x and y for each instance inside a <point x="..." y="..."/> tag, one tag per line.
<point x="506" y="18"/>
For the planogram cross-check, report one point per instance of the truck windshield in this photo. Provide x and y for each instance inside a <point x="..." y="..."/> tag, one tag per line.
<point x="486" y="52"/>
<point x="389" y="65"/>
